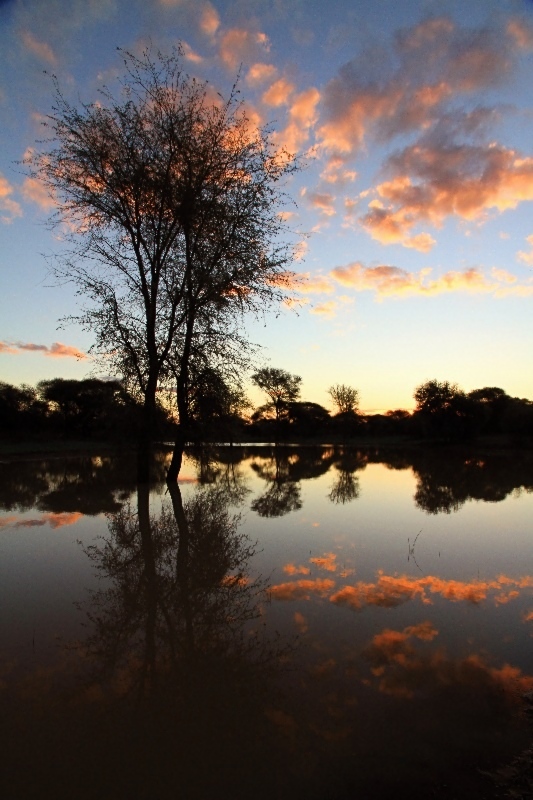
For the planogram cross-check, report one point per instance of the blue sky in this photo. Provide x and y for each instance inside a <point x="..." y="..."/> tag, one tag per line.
<point x="416" y="204"/>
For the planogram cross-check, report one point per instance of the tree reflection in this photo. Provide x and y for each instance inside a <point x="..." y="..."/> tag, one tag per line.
<point x="346" y="486"/>
<point x="283" y="493"/>
<point x="178" y="592"/>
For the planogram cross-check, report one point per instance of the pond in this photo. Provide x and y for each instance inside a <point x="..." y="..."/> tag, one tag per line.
<point x="319" y="622"/>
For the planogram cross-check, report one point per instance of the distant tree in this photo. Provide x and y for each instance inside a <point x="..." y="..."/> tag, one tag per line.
<point x="20" y="409"/>
<point x="346" y="398"/>
<point x="445" y="410"/>
<point x="280" y="386"/>
<point x="307" y="419"/>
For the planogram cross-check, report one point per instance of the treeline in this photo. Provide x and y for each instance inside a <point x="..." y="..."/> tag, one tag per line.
<point x="69" y="409"/>
<point x="104" y="409"/>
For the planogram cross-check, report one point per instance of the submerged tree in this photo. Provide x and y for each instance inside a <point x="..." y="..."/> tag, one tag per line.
<point x="170" y="200"/>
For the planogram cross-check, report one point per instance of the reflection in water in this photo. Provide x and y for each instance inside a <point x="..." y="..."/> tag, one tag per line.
<point x="179" y="592"/>
<point x="400" y="684"/>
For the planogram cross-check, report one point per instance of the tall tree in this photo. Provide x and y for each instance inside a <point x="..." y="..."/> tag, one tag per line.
<point x="280" y="386"/>
<point x="170" y="202"/>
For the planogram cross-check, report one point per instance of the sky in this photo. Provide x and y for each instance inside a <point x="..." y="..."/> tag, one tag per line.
<point x="413" y="216"/>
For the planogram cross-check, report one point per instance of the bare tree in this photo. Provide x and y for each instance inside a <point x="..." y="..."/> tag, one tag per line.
<point x="345" y="398"/>
<point x="170" y="202"/>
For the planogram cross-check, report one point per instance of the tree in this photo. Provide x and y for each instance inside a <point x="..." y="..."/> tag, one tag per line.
<point x="345" y="398"/>
<point x="280" y="386"/>
<point x="170" y="202"/>
<point x="445" y="410"/>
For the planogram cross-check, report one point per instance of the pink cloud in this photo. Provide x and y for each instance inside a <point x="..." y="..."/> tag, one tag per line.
<point x="42" y="50"/>
<point x="10" y="207"/>
<point x="260" y="73"/>
<point x="36" y="192"/>
<point x="392" y="95"/>
<point x="238" y="45"/>
<point x="388" y="281"/>
<point x="209" y="20"/>
<point x="56" y="350"/>
<point x="323" y="201"/>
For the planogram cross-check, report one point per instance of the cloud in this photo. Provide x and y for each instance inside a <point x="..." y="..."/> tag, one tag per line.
<point x="323" y="201"/>
<point x="328" y="309"/>
<point x="387" y="93"/>
<point x="521" y="31"/>
<point x="10" y="208"/>
<point x="36" y="192"/>
<point x="56" y="350"/>
<point x="55" y="520"/>
<point x="526" y="256"/>
<point x="403" y="670"/>
<point x="278" y="94"/>
<point x="387" y="281"/>
<point x="260" y="73"/>
<point x="190" y="54"/>
<point x="209" y="20"/>
<point x="318" y="284"/>
<point x="292" y="569"/>
<point x="302" y="116"/>
<point x="438" y="177"/>
<point x="392" y="591"/>
<point x="238" y="45"/>
<point x="302" y="589"/>
<point x="42" y="50"/>
<point x="326" y="562"/>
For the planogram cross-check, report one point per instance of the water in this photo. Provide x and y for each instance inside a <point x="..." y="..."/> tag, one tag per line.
<point x="301" y="622"/>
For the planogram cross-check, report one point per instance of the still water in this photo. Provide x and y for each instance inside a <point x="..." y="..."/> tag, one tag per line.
<point x="311" y="622"/>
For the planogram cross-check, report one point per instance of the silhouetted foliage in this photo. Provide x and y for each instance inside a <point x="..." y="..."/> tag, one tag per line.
<point x="280" y="387"/>
<point x="346" y="398"/>
<point x="171" y="201"/>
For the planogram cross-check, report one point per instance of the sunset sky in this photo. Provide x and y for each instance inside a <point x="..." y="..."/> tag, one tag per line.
<point x="414" y="213"/>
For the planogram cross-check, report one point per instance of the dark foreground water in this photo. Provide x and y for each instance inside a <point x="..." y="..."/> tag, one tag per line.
<point x="310" y="623"/>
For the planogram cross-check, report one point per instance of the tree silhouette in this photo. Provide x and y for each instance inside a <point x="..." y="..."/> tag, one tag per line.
<point x="170" y="201"/>
<point x="280" y="386"/>
<point x="345" y="398"/>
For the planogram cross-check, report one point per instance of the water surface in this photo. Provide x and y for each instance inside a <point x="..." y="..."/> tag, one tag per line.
<point x="290" y="622"/>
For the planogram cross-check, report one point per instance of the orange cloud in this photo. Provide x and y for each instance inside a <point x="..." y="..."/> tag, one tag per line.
<point x="302" y="589"/>
<point x="260" y="73"/>
<point x="292" y="569"/>
<point x="56" y="350"/>
<point x="391" y="591"/>
<point x="36" y="192"/>
<point x="302" y="116"/>
<point x="10" y="207"/>
<point x="238" y="45"/>
<point x="40" y="49"/>
<point x="402" y="670"/>
<point x="326" y="562"/>
<point x="278" y="94"/>
<point x="5" y="522"/>
<point x="55" y="520"/>
<point x="387" y="281"/>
